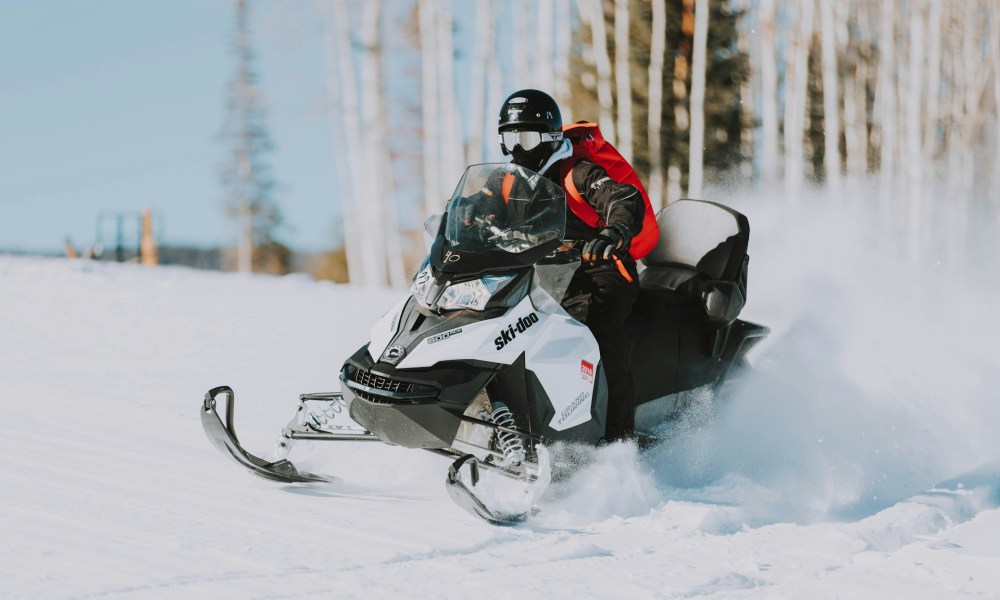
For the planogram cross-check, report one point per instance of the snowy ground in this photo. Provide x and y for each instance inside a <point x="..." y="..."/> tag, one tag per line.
<point x="861" y="460"/>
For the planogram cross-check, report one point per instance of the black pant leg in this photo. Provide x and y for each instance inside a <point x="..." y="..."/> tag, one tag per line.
<point x="602" y="298"/>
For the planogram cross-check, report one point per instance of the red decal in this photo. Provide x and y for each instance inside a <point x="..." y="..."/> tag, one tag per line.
<point x="587" y="370"/>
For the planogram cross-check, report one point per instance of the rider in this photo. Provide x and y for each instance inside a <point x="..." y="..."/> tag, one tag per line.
<point x="605" y="287"/>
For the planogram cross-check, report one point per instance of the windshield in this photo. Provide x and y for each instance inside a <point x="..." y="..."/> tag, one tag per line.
<point x="503" y="207"/>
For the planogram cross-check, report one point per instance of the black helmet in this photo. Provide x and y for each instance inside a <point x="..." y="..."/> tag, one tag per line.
<point x="530" y="111"/>
<point x="532" y="108"/>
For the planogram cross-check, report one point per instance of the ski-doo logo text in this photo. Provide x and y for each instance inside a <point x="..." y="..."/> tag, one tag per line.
<point x="508" y="333"/>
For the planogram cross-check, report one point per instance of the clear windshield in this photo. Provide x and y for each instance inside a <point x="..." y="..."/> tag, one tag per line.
<point x="499" y="206"/>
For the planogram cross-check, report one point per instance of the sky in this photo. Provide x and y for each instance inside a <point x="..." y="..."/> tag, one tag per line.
<point x="115" y="106"/>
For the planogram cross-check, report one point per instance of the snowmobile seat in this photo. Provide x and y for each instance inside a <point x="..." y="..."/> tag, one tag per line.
<point x="701" y="257"/>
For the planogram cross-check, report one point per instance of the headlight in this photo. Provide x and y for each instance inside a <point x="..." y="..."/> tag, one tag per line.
<point x="472" y="294"/>
<point x="422" y="282"/>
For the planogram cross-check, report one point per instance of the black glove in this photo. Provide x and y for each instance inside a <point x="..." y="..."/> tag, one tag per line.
<point x="609" y="240"/>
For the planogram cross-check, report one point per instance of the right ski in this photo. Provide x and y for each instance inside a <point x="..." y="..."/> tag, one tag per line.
<point x="473" y="502"/>
<point x="223" y="436"/>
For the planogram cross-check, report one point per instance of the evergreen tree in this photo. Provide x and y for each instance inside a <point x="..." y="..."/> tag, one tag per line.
<point x="246" y="173"/>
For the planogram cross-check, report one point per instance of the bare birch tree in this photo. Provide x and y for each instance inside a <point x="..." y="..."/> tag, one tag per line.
<point x="796" y="85"/>
<point x="453" y="157"/>
<point x="544" y="68"/>
<point x="521" y="35"/>
<point x="856" y="95"/>
<point x="379" y="183"/>
<point x="477" y="81"/>
<point x="886" y="106"/>
<point x="623" y="79"/>
<point x="995" y="59"/>
<point x="343" y="126"/>
<point x="698" y="66"/>
<point x="433" y="195"/>
<point x="592" y="12"/>
<point x="831" y="104"/>
<point x="915" y="163"/>
<point x="934" y="66"/>
<point x="563" y="47"/>
<point x="768" y="93"/>
<point x="657" y="53"/>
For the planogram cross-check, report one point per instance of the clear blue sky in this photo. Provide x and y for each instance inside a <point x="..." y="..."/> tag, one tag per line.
<point x="117" y="105"/>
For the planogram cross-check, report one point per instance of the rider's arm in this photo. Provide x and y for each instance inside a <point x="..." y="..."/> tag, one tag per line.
<point x="615" y="202"/>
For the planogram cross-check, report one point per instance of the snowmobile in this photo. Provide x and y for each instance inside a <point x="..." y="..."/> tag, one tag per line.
<point x="481" y="363"/>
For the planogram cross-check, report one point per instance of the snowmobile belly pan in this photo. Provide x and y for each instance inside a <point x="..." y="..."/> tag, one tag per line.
<point x="412" y="425"/>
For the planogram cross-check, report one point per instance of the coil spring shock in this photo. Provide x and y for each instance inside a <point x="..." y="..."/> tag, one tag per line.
<point x="328" y="413"/>
<point x="509" y="444"/>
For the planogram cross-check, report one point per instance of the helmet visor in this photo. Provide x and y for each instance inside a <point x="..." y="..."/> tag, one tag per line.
<point x="527" y="140"/>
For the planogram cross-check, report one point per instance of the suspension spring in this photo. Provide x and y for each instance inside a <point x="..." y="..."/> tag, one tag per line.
<point x="326" y="413"/>
<point x="510" y="444"/>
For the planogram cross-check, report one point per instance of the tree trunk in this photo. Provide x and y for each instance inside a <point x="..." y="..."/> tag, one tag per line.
<point x="453" y="160"/>
<point x="342" y="86"/>
<point x="855" y="128"/>
<point x="244" y="255"/>
<point x="797" y="82"/>
<point x="995" y="59"/>
<point x="748" y="101"/>
<point x="382" y="164"/>
<point x="563" y="49"/>
<point x="932" y="119"/>
<point x="975" y="74"/>
<point x="698" y="67"/>
<point x="593" y="12"/>
<point x="886" y="109"/>
<point x="544" y="71"/>
<point x="915" y="163"/>
<point x="433" y="197"/>
<point x="335" y="109"/>
<point x="522" y="41"/>
<point x="657" y="54"/>
<point x="244" y="167"/>
<point x="477" y="89"/>
<point x="377" y="196"/>
<point x="623" y="79"/>
<point x="768" y="94"/>
<point x="831" y="102"/>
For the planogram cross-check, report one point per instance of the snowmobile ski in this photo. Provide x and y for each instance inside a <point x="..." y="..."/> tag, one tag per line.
<point x="223" y="436"/>
<point x="473" y="502"/>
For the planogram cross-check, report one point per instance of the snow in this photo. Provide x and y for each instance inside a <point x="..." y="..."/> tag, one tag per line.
<point x="859" y="460"/>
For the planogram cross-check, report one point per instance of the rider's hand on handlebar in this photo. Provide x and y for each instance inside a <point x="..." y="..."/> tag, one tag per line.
<point x="610" y="239"/>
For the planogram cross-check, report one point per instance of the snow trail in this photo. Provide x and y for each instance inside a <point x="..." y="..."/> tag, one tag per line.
<point x="880" y="380"/>
<point x="859" y="459"/>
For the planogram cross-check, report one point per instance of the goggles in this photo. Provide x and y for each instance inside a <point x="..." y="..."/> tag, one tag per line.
<point x="527" y="140"/>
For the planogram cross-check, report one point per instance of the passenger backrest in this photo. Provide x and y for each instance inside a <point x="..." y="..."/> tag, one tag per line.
<point x="702" y="251"/>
